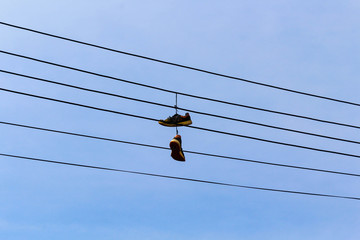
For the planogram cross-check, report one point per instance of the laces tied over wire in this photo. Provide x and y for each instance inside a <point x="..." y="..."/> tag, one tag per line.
<point x="176" y="111"/>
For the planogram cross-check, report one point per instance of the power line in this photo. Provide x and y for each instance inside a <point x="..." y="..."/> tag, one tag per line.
<point x="186" y="151"/>
<point x="184" y="109"/>
<point x="180" y="178"/>
<point x="275" y="142"/>
<point x="184" y="66"/>
<point x="184" y="94"/>
<point x="199" y="128"/>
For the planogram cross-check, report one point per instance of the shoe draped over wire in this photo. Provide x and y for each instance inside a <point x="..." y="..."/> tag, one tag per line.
<point x="176" y="149"/>
<point x="176" y="120"/>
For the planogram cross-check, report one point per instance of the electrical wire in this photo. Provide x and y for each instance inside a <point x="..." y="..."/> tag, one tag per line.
<point x="184" y="109"/>
<point x="186" y="151"/>
<point x="181" y="178"/>
<point x="194" y="127"/>
<point x="184" y="66"/>
<point x="184" y="94"/>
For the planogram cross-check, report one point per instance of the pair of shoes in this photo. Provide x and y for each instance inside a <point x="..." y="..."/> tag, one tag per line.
<point x="176" y="149"/>
<point x="175" y="144"/>
<point x="176" y="120"/>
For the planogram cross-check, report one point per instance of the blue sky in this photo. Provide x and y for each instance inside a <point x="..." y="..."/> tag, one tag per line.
<point x="310" y="46"/>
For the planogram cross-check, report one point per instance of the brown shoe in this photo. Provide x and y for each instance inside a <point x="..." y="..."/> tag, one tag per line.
<point x="176" y="150"/>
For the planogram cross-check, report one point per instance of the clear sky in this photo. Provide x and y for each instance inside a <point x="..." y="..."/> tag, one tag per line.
<point x="310" y="46"/>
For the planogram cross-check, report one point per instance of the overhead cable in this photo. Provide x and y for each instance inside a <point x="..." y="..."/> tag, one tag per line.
<point x="194" y="127"/>
<point x="180" y="178"/>
<point x="180" y="93"/>
<point x="186" y="151"/>
<point x="184" y="109"/>
<point x="183" y="66"/>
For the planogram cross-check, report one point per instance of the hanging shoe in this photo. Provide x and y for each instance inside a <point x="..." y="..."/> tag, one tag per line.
<point x="176" y="120"/>
<point x="176" y="150"/>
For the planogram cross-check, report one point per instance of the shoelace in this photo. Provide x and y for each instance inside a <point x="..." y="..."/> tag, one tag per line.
<point x="173" y="117"/>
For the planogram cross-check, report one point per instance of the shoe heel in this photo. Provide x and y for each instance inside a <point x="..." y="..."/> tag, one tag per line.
<point x="176" y="152"/>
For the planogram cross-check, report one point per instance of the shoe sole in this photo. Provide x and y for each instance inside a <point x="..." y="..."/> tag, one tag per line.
<point x="185" y="123"/>
<point x="176" y="151"/>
